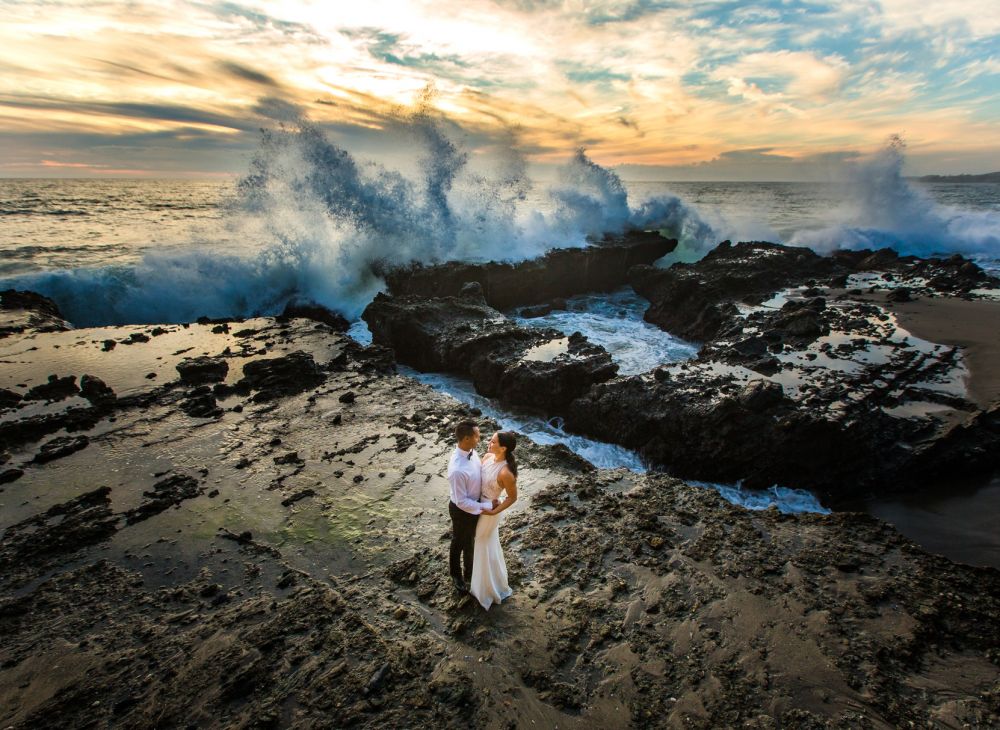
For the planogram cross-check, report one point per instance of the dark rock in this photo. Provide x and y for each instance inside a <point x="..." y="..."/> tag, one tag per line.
<point x="374" y="359"/>
<point x="803" y="323"/>
<point x="472" y="290"/>
<point x="752" y="346"/>
<point x="108" y="345"/>
<point x="96" y="391"/>
<point x="292" y="457"/>
<point x="759" y="395"/>
<point x="30" y="546"/>
<point x="539" y="310"/>
<point x="60" y="447"/>
<point x="10" y="475"/>
<point x="25" y="312"/>
<point x="560" y="273"/>
<point x="971" y="270"/>
<point x="316" y="312"/>
<point x="200" y="403"/>
<point x="348" y="397"/>
<point x="54" y="390"/>
<point x="135" y="338"/>
<point x="8" y="398"/>
<point x="697" y="300"/>
<point x="900" y="294"/>
<point x="285" y="375"/>
<point x="26" y="430"/>
<point x="210" y="590"/>
<point x="164" y="494"/>
<point x="541" y="368"/>
<point x="297" y="496"/>
<point x="764" y="365"/>
<point x="376" y="680"/>
<point x="12" y="299"/>
<point x="204" y="369"/>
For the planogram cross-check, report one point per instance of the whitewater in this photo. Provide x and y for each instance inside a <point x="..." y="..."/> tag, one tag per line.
<point x="311" y="221"/>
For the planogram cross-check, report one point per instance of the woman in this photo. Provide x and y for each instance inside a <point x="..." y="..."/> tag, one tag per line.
<point x="489" y="571"/>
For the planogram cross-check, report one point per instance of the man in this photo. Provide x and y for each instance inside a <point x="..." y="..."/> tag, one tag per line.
<point x="464" y="475"/>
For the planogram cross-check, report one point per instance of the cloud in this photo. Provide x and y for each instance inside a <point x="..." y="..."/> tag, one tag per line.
<point x="799" y="74"/>
<point x="240" y="71"/>
<point x="749" y="164"/>
<point x="637" y="81"/>
<point x="133" y="110"/>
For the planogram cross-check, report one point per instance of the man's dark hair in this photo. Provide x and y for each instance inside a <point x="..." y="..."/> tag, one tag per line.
<point x="465" y="429"/>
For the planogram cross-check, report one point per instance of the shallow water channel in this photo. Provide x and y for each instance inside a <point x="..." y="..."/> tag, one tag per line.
<point x="615" y="322"/>
<point x="955" y="520"/>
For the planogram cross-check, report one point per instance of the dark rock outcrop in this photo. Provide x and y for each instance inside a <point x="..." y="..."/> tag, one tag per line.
<point x="55" y="389"/>
<point x="204" y="369"/>
<point x="26" y="311"/>
<point x="806" y="394"/>
<point x="9" y="398"/>
<point x="96" y="391"/>
<point x="560" y="273"/>
<point x="698" y="301"/>
<point x="317" y="313"/>
<point x="165" y="494"/>
<point x="59" y="447"/>
<point x="695" y="301"/>
<point x="531" y="367"/>
<point x="200" y="403"/>
<point x="277" y="376"/>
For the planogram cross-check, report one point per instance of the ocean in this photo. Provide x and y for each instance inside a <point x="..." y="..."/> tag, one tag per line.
<point x="308" y="220"/>
<point x="65" y="224"/>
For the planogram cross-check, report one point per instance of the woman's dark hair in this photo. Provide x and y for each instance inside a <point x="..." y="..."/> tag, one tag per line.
<point x="508" y="440"/>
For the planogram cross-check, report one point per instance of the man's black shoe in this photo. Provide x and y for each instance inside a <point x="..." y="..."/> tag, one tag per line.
<point x="459" y="585"/>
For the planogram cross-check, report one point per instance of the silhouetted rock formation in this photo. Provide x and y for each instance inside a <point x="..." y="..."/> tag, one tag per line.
<point x="558" y="274"/>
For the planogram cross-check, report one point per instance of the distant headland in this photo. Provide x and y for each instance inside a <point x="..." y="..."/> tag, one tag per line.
<point x="989" y="177"/>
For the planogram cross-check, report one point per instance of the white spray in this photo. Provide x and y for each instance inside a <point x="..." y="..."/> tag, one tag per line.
<point x="319" y="222"/>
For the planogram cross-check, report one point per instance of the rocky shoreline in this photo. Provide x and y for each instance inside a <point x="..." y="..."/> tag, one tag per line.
<point x="799" y="380"/>
<point x="243" y="524"/>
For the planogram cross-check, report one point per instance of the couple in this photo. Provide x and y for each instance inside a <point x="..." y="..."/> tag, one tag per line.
<point x="475" y="507"/>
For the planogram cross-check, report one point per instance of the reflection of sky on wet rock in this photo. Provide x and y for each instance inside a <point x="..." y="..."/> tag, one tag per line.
<point x="548" y="351"/>
<point x="126" y="367"/>
<point x="866" y="352"/>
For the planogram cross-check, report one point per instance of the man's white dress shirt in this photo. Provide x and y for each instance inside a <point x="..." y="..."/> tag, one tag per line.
<point x="465" y="477"/>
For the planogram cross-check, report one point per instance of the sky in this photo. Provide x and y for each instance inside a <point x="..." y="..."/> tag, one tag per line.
<point x="782" y="90"/>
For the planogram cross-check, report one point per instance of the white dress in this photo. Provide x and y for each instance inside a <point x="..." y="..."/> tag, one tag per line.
<point x="489" y="571"/>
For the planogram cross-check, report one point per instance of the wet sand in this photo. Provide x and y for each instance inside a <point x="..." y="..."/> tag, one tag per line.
<point x="956" y="520"/>
<point x="972" y="325"/>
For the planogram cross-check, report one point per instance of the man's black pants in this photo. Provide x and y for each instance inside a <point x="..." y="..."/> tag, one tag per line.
<point x="463" y="541"/>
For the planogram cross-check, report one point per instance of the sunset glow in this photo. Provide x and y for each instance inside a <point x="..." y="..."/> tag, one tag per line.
<point x="773" y="90"/>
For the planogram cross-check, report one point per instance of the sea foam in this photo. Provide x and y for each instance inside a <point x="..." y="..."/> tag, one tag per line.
<point x="319" y="221"/>
<point x="885" y="210"/>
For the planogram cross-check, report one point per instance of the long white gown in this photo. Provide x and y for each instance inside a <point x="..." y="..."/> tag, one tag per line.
<point x="489" y="570"/>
